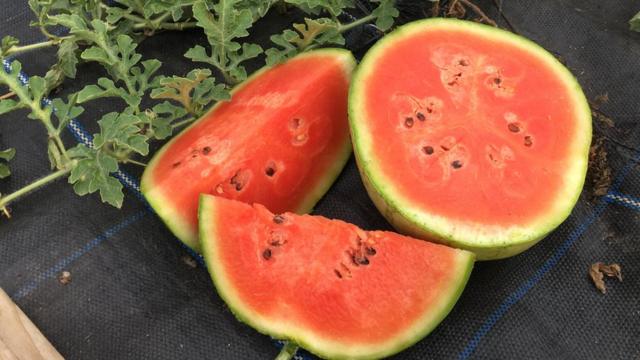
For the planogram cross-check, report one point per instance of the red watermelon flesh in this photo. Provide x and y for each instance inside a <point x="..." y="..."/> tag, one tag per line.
<point x="331" y="287"/>
<point x="281" y="141"/>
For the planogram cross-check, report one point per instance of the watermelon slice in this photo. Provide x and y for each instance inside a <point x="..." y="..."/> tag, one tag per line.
<point x="281" y="141"/>
<point x="469" y="135"/>
<point x="332" y="288"/>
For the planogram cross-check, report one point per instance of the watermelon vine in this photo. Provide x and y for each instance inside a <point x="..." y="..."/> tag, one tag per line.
<point x="108" y="33"/>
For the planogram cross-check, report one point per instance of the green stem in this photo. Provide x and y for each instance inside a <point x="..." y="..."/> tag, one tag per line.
<point x="135" y="18"/>
<point x="20" y="49"/>
<point x="131" y="161"/>
<point x="6" y="200"/>
<point x="183" y="122"/>
<point x="288" y="351"/>
<point x="351" y="25"/>
<point x="160" y="19"/>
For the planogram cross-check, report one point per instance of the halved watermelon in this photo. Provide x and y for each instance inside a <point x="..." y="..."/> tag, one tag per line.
<point x="469" y="135"/>
<point x="332" y="288"/>
<point x="281" y="141"/>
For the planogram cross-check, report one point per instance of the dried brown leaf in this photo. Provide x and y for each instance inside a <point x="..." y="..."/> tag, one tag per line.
<point x="598" y="270"/>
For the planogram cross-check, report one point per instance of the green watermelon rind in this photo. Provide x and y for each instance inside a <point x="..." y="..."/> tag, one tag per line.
<point x="306" y="338"/>
<point x="412" y="220"/>
<point x="171" y="216"/>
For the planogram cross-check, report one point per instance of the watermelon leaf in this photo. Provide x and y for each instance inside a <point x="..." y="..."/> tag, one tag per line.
<point x="195" y="91"/>
<point x="385" y="14"/>
<point x="66" y="65"/>
<point x="223" y="23"/>
<point x="258" y="8"/>
<point x="6" y="155"/>
<point x="7" y="43"/>
<point x="313" y="33"/>
<point x="162" y="116"/>
<point x="315" y="7"/>
<point x="65" y="111"/>
<point x="7" y="105"/>
<point x="93" y="173"/>
<point x="122" y="132"/>
<point x="634" y="23"/>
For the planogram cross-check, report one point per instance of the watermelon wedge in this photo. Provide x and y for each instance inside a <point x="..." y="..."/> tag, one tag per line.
<point x="469" y="135"/>
<point x="281" y="141"/>
<point x="332" y="288"/>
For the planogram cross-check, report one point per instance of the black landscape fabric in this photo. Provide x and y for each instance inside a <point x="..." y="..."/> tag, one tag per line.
<point x="134" y="293"/>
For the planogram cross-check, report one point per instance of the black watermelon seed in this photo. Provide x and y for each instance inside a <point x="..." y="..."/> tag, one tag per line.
<point x="370" y="251"/>
<point x="266" y="254"/>
<point x="269" y="171"/>
<point x="338" y="273"/>
<point x="420" y="116"/>
<point x="176" y="164"/>
<point x="514" y="128"/>
<point x="278" y="219"/>
<point x="427" y="150"/>
<point x="456" y="164"/>
<point x="206" y="150"/>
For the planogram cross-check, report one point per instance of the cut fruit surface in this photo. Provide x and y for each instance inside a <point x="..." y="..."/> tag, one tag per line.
<point x="334" y="289"/>
<point x="469" y="135"/>
<point x="281" y="141"/>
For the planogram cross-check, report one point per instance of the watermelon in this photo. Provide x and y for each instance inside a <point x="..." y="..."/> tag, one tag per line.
<point x="332" y="288"/>
<point x="469" y="135"/>
<point x="281" y="141"/>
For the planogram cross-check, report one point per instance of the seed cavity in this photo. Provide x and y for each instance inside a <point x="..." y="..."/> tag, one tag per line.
<point x="266" y="254"/>
<point x="278" y="219"/>
<point x="277" y="238"/>
<point x="278" y="242"/>
<point x="206" y="150"/>
<point x="408" y="122"/>
<point x="514" y="127"/>
<point x="295" y="123"/>
<point x="427" y="150"/>
<point x="421" y="116"/>
<point x="358" y="258"/>
<point x="239" y="180"/>
<point x="528" y="141"/>
<point x="456" y="164"/>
